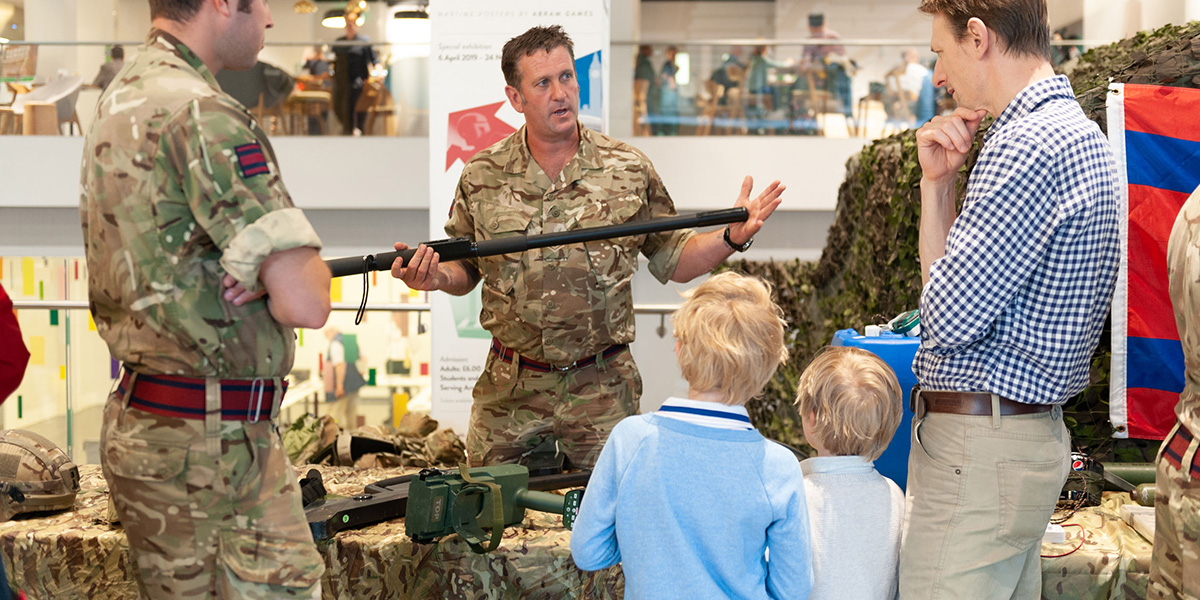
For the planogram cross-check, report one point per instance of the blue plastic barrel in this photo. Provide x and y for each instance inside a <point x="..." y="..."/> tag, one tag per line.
<point x="898" y="352"/>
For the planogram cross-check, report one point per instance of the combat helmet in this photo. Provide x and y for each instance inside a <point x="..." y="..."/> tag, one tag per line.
<point x="35" y="475"/>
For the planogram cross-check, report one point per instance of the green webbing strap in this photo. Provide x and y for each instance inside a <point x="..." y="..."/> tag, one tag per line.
<point x="465" y="523"/>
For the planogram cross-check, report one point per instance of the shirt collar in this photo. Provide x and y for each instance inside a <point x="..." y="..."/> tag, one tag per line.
<point x="838" y="465"/>
<point x="1030" y="98"/>
<point x="587" y="156"/>
<point x="162" y="40"/>
<point x="707" y="414"/>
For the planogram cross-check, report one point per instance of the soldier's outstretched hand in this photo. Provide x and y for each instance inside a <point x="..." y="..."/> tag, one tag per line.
<point x="760" y="208"/>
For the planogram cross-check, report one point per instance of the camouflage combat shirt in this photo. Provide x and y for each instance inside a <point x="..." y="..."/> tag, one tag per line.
<point x="179" y="187"/>
<point x="562" y="303"/>
<point x="1183" y="265"/>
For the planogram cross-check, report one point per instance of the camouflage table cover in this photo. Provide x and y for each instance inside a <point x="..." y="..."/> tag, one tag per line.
<point x="1113" y="563"/>
<point x="79" y="555"/>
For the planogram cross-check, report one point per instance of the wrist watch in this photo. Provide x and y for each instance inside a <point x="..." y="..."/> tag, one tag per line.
<point x="733" y="246"/>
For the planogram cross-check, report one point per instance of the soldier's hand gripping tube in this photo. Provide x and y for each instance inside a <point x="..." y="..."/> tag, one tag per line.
<point x="460" y="248"/>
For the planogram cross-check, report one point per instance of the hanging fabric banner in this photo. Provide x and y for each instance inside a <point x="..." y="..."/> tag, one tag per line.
<point x="1156" y="140"/>
<point x="469" y="112"/>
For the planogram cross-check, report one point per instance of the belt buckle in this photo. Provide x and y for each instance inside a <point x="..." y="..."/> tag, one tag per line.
<point x="564" y="369"/>
<point x="261" y="386"/>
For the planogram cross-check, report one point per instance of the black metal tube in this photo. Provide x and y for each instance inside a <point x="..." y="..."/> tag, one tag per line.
<point x="460" y="248"/>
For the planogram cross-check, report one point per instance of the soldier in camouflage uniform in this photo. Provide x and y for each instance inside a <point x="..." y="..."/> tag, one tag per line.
<point x="186" y="225"/>
<point x="1175" y="568"/>
<point x="562" y="317"/>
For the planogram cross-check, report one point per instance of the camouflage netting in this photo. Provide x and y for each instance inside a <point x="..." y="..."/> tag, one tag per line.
<point x="869" y="270"/>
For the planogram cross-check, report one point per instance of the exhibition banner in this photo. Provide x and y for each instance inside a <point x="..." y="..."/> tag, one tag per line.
<point x="1156" y="140"/>
<point x="469" y="112"/>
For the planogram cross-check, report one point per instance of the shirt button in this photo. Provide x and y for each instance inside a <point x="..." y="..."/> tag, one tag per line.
<point x="551" y="305"/>
<point x="552" y="266"/>
<point x="554" y="212"/>
<point x="495" y="224"/>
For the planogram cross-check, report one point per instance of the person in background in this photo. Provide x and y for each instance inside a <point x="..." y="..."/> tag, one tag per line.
<point x="730" y="73"/>
<point x="668" y="95"/>
<point x="14" y="356"/>
<point x="263" y="83"/>
<point x="758" y="83"/>
<point x="342" y="379"/>
<point x="199" y="270"/>
<point x="559" y="369"/>
<point x="912" y="73"/>
<point x="643" y="73"/>
<point x="828" y="61"/>
<point x="1177" y="481"/>
<point x="351" y="71"/>
<point x="314" y="62"/>
<point x="109" y="70"/>
<point x="1034" y="250"/>
<point x="849" y="404"/>
<point x="690" y="498"/>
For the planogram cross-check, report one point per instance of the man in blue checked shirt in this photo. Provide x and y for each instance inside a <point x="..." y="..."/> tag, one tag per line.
<point x="1016" y="290"/>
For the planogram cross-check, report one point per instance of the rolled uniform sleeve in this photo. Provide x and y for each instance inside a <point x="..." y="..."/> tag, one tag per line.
<point x="233" y="189"/>
<point x="664" y="248"/>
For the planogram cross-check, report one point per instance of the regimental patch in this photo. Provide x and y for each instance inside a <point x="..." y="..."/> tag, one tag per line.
<point x="251" y="159"/>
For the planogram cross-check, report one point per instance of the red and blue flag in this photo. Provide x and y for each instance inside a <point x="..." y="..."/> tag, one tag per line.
<point x="1156" y="140"/>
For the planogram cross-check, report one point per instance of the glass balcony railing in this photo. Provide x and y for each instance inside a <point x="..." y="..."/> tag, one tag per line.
<point x="850" y="88"/>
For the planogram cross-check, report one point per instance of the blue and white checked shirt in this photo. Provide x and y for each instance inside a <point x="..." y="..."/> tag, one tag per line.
<point x="1016" y="305"/>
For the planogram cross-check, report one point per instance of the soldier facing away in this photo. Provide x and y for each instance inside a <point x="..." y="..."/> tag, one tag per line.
<point x="1176" y="528"/>
<point x="562" y="318"/>
<point x="186" y="225"/>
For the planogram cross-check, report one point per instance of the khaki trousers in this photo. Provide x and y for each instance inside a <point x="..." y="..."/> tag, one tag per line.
<point x="981" y="490"/>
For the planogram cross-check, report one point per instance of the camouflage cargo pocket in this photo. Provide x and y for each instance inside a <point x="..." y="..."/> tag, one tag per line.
<point x="141" y="461"/>
<point x="258" y="558"/>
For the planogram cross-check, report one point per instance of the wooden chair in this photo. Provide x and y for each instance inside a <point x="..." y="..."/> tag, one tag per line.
<point x="271" y="119"/>
<point x="641" y="90"/>
<point x="821" y="102"/>
<point x="375" y="100"/>
<point x="40" y="118"/>
<point x="8" y="124"/>
<point x="300" y="106"/>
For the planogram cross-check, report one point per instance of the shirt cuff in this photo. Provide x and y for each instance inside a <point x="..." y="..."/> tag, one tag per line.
<point x="275" y="231"/>
<point x="664" y="262"/>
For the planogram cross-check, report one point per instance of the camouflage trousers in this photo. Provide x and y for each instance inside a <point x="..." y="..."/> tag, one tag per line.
<point x="516" y="409"/>
<point x="228" y="525"/>
<point x="1175" y="565"/>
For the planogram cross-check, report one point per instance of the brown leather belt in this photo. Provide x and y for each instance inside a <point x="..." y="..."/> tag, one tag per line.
<point x="976" y="403"/>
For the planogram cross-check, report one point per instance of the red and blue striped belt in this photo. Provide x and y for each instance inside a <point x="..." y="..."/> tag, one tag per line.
<point x="184" y="397"/>
<point x="506" y="355"/>
<point x="1175" y="447"/>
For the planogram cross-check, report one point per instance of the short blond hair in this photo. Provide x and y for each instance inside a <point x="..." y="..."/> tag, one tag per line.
<point x="730" y="336"/>
<point x="853" y="399"/>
